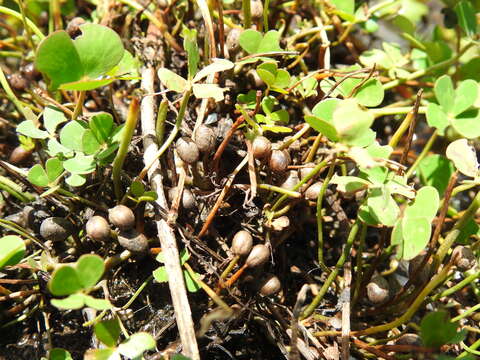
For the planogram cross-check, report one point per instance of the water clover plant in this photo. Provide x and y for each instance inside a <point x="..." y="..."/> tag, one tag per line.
<point x="78" y="148"/>
<point x="254" y="42"/>
<point x="454" y="107"/>
<point x="75" y="281"/>
<point x="412" y="231"/>
<point x="82" y="63"/>
<point x="108" y="332"/>
<point x="160" y="274"/>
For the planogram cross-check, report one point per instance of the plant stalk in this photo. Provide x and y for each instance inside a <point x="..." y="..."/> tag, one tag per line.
<point x="130" y="126"/>
<point x="247" y="14"/>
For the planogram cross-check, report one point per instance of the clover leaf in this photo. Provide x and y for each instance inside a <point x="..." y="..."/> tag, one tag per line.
<point x="453" y="107"/>
<point x="78" y="64"/>
<point x="76" y="279"/>
<point x="436" y="330"/>
<point x="412" y="231"/>
<point x="47" y="177"/>
<point x="369" y="93"/>
<point x="390" y="59"/>
<point x="435" y="170"/>
<point x="276" y="79"/>
<point x="12" y="250"/>
<point x="464" y="157"/>
<point x="253" y="42"/>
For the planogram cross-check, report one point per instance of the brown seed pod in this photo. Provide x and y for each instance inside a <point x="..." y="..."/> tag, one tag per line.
<point x="122" y="217"/>
<point x="98" y="228"/>
<point x="280" y="223"/>
<point x="307" y="169"/>
<point x="187" y="150"/>
<point x="279" y="161"/>
<point x="188" y="200"/>
<point x="409" y="339"/>
<point x="313" y="191"/>
<point x="464" y="258"/>
<point x="291" y="180"/>
<point x="270" y="285"/>
<point x="256" y="9"/>
<point x="378" y="290"/>
<point x="56" y="229"/>
<point x="30" y="72"/>
<point x="423" y="275"/>
<point x="242" y="243"/>
<point x="133" y="241"/>
<point x="73" y="27"/>
<point x="20" y="155"/>
<point x="261" y="147"/>
<point x="17" y="82"/>
<point x="232" y="40"/>
<point x="258" y="256"/>
<point x="205" y="139"/>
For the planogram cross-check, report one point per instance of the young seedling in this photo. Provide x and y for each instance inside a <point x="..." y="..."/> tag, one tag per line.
<point x="108" y="332"/>
<point x="161" y="276"/>
<point x="75" y="281"/>
<point x="454" y="107"/>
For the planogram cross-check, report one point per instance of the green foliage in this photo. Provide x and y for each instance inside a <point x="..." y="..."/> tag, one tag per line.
<point x="435" y="170"/>
<point x="464" y="158"/>
<point x="108" y="332"/>
<point x="343" y="121"/>
<point x="78" y="64"/>
<point x="412" y="231"/>
<point x="59" y="354"/>
<point x="253" y="42"/>
<point x="75" y="280"/>
<point x="276" y="79"/>
<point x="436" y="330"/>
<point x="390" y="59"/>
<point x="12" y="250"/>
<point x="367" y="93"/>
<point x="454" y="107"/>
<point x="161" y="275"/>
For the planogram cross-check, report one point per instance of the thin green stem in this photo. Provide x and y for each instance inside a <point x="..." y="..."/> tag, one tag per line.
<point x="341" y="261"/>
<point x="466" y="353"/>
<point x="171" y="137"/>
<point x="78" y="107"/>
<point x="321" y="194"/>
<point x="310" y="175"/>
<point x="396" y="111"/>
<point x="469" y="213"/>
<point x="9" y="92"/>
<point x="465" y="313"/>
<point x="21" y="5"/>
<point x="436" y="281"/>
<point x="130" y="126"/>
<point x="29" y="23"/>
<point x="247" y="14"/>
<point x="280" y="190"/>
<point x="230" y="267"/>
<point x="139" y="290"/>
<point x="423" y="72"/>
<point x="265" y="15"/>
<point x="457" y="287"/>
<point x="359" y="265"/>
<point x="15" y="190"/>
<point x="422" y="155"/>
<point x="160" y="123"/>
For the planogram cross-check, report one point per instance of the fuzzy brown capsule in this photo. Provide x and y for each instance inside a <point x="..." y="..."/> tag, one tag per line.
<point x="56" y="229"/>
<point x="378" y="290"/>
<point x="261" y="147"/>
<point x="122" y="217"/>
<point x="279" y="161"/>
<point x="232" y="42"/>
<point x="256" y="9"/>
<point x="17" y="82"/>
<point x="188" y="200"/>
<point x="419" y="276"/>
<point x="242" y="243"/>
<point x="205" y="139"/>
<point x="133" y="241"/>
<point x="73" y="26"/>
<point x="20" y="155"/>
<point x="291" y="180"/>
<point x="187" y="150"/>
<point x="258" y="256"/>
<point x="270" y="285"/>
<point x="97" y="228"/>
<point x="409" y="339"/>
<point x="313" y="191"/>
<point x="464" y="258"/>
